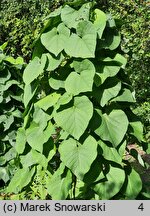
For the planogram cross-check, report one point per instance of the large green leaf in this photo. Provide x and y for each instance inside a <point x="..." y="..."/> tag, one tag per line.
<point x="134" y="185"/>
<point x="113" y="126"/>
<point x="82" y="79"/>
<point x="72" y="17"/>
<point x="55" y="40"/>
<point x="78" y="157"/>
<point x="59" y="184"/>
<point x="21" y="178"/>
<point x="83" y="43"/>
<point x="100" y="21"/>
<point x="113" y="184"/>
<point x="33" y="70"/>
<point x="76" y="118"/>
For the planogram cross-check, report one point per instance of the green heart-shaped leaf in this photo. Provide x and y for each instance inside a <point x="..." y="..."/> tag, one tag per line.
<point x="83" y="82"/>
<point x="75" y="119"/>
<point x="113" y="127"/>
<point x="72" y="17"/>
<point x="54" y="40"/>
<point x="78" y="157"/>
<point x="83" y="43"/>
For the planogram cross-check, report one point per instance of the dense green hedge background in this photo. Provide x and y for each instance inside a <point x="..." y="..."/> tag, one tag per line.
<point x="22" y="20"/>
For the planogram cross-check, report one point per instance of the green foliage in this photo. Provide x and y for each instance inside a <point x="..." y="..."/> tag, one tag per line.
<point x="20" y="23"/>
<point x="77" y="117"/>
<point x="11" y="107"/>
<point x="134" y="19"/>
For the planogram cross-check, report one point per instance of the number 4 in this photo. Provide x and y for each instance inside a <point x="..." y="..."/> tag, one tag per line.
<point x="141" y="207"/>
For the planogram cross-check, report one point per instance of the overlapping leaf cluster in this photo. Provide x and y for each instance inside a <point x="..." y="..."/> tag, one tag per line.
<point x="11" y="107"/>
<point x="77" y="101"/>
